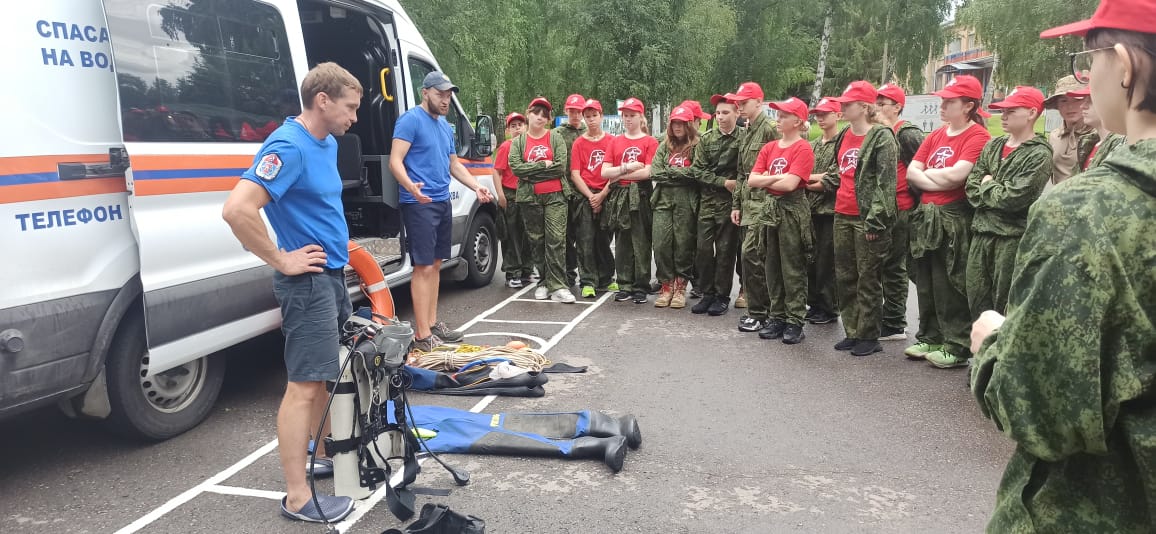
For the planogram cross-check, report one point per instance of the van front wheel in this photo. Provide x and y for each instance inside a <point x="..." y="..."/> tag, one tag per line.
<point x="481" y="254"/>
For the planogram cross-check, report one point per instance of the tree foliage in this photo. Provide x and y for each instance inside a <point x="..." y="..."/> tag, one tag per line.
<point x="1012" y="31"/>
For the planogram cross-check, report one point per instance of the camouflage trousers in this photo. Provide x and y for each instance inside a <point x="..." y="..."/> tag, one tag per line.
<point x="789" y="246"/>
<point x="896" y="282"/>
<point x="545" y="221"/>
<point x="595" y="260"/>
<point x="626" y="213"/>
<point x="989" y="272"/>
<point x="754" y="271"/>
<point x="821" y="273"/>
<point x="859" y="277"/>
<point x="673" y="241"/>
<point x="940" y="245"/>
<point x="515" y="248"/>
<point x="718" y="241"/>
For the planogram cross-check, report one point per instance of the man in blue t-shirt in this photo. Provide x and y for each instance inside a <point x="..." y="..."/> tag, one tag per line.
<point x="422" y="159"/>
<point x="294" y="179"/>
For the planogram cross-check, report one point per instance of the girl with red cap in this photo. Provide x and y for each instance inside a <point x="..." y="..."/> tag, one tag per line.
<point x="821" y="308"/>
<point x="941" y="227"/>
<point x="1007" y="179"/>
<point x="863" y="177"/>
<point x="515" y="248"/>
<point x="1105" y="141"/>
<point x="673" y="204"/>
<point x="626" y="211"/>
<point x="592" y="242"/>
<point x="781" y="169"/>
<point x="1069" y="374"/>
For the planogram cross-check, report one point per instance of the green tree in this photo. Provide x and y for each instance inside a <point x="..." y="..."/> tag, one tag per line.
<point x="1012" y="31"/>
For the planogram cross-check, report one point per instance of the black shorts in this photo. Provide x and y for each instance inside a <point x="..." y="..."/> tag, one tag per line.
<point x="428" y="229"/>
<point x="313" y="308"/>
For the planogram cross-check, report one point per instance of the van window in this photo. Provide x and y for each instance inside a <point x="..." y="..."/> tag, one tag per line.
<point x="201" y="71"/>
<point x="418" y="69"/>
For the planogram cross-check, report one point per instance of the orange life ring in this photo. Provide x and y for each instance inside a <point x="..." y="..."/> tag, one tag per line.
<point x="372" y="280"/>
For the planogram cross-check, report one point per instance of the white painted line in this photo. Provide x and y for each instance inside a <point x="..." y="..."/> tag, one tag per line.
<point x="522" y="322"/>
<point x="494" y="309"/>
<point x="548" y="301"/>
<point x="541" y="342"/>
<point x="246" y="492"/>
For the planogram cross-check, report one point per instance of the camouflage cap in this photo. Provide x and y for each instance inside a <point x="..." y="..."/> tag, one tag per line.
<point x="1064" y="86"/>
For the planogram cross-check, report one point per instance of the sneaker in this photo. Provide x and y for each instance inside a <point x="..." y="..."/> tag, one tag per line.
<point x="892" y="334"/>
<point x="444" y="333"/>
<point x="562" y="295"/>
<point x="639" y="297"/>
<point x="588" y="292"/>
<point x="750" y="324"/>
<point x="793" y="335"/>
<point x="694" y="293"/>
<point x="822" y="318"/>
<point x="655" y="287"/>
<point x="622" y="296"/>
<point x="719" y="307"/>
<point x="514" y="283"/>
<point x="703" y="305"/>
<point x="322" y="468"/>
<point x="848" y="343"/>
<point x="945" y="360"/>
<point x="333" y="509"/>
<point x="741" y="301"/>
<point x="920" y="350"/>
<point x="612" y="287"/>
<point x="866" y="347"/>
<point x="541" y="292"/>
<point x="428" y="344"/>
<point x="773" y="330"/>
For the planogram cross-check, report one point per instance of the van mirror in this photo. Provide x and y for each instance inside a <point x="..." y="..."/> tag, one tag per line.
<point x="483" y="137"/>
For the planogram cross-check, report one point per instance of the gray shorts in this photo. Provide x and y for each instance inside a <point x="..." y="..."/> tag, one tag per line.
<point x="313" y="308"/>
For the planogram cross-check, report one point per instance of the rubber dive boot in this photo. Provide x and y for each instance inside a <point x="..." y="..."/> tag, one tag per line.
<point x="611" y="450"/>
<point x="602" y="425"/>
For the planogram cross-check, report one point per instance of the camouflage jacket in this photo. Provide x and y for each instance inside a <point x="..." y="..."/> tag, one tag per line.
<point x="672" y="185"/>
<point x="823" y="202"/>
<point x="531" y="173"/>
<point x="875" y="176"/>
<point x="1071" y="374"/>
<point x="759" y="132"/>
<point x="569" y="134"/>
<point x="1001" y="204"/>
<point x="909" y="137"/>
<point x="716" y="160"/>
<point x="1111" y="143"/>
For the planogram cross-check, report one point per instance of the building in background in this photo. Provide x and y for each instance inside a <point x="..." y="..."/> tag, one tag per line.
<point x="963" y="54"/>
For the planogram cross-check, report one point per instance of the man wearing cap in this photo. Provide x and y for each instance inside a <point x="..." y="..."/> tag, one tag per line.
<point x="569" y="131"/>
<point x="626" y="211"/>
<point x="1066" y="139"/>
<point x="588" y="153"/>
<point x="716" y="168"/>
<point x="821" y="304"/>
<point x="747" y="205"/>
<point x="1008" y="178"/>
<point x="515" y="249"/>
<point x="423" y="158"/>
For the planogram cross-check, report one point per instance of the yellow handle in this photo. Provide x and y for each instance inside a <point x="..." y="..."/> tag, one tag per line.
<point x="385" y="88"/>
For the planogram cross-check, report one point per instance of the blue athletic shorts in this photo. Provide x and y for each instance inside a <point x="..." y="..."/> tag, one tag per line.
<point x="428" y="229"/>
<point x="313" y="308"/>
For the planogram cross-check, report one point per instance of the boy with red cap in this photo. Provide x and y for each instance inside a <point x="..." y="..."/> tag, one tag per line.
<point x="626" y="211"/>
<point x="941" y="227"/>
<point x="589" y="152"/>
<point x="782" y="169"/>
<point x="716" y="167"/>
<point x="673" y="204"/>
<point x="863" y="177"/>
<point x="747" y="206"/>
<point x="569" y="131"/>
<point x="538" y="158"/>
<point x="515" y="249"/>
<point x="821" y="302"/>
<point x="1008" y="178"/>
<point x="889" y="105"/>
<point x="1099" y="144"/>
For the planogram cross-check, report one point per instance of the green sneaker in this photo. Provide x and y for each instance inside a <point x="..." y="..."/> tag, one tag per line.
<point x="945" y="360"/>
<point x="588" y="292"/>
<point x="612" y="287"/>
<point x="920" y="350"/>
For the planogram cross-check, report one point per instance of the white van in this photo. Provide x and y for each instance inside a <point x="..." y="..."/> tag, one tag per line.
<point x="129" y="122"/>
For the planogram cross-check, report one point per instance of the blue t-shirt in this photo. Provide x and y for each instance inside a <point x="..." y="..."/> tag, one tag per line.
<point x="300" y="174"/>
<point x="431" y="142"/>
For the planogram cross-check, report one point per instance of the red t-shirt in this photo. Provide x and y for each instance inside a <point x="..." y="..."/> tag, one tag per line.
<point x="502" y="165"/>
<point x="587" y="158"/>
<point x="1091" y="155"/>
<point x="848" y="152"/>
<point x="540" y="150"/>
<point x="797" y="159"/>
<point x="624" y="150"/>
<point x="941" y="151"/>
<point x="903" y="197"/>
<point x="1007" y="150"/>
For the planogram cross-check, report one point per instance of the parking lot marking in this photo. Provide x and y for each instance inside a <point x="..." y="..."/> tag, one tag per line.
<point x="246" y="492"/>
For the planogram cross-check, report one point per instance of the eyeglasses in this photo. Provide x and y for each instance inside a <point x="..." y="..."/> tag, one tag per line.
<point x="1082" y="63"/>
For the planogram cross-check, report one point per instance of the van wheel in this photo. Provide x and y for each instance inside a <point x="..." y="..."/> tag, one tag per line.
<point x="481" y="254"/>
<point x="156" y="407"/>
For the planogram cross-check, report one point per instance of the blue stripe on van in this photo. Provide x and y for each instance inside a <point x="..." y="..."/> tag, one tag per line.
<point x="478" y="165"/>
<point x="187" y="173"/>
<point x="28" y="178"/>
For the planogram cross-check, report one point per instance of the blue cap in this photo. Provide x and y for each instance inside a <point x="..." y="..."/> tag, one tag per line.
<point x="438" y="80"/>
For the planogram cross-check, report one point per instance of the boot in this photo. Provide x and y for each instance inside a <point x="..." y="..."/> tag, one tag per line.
<point x="664" y="296"/>
<point x="602" y="425"/>
<point x="741" y="300"/>
<point x="611" y="450"/>
<point x="678" y="300"/>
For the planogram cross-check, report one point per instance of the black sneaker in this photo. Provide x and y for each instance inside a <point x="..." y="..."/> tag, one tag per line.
<point x="695" y="293"/>
<point x="622" y="296"/>
<point x="773" y="330"/>
<point x="640" y="297"/>
<point x="703" y="305"/>
<point x="655" y="287"/>
<point x="428" y="344"/>
<point x="848" y="343"/>
<point x="822" y="318"/>
<point x="866" y="347"/>
<point x="793" y="335"/>
<point x="719" y="306"/>
<point x="750" y="324"/>
<point x="892" y="334"/>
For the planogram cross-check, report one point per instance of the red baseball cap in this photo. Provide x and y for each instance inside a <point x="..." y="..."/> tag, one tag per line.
<point x="682" y="113"/>
<point x="592" y="104"/>
<point x="746" y="91"/>
<point x="792" y="105"/>
<point x="541" y="101"/>
<point x="827" y="104"/>
<point x="1130" y="15"/>
<point x="964" y="86"/>
<point x="715" y="100"/>
<point x="1022" y="96"/>
<point x="894" y="92"/>
<point x="574" y="101"/>
<point x="696" y="108"/>
<point x="632" y="104"/>
<point x="859" y="91"/>
<point x="515" y="117"/>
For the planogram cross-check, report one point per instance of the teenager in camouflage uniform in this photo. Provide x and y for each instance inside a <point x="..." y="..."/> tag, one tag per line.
<point x="1069" y="374"/>
<point x="716" y="168"/>
<point x="626" y="211"/>
<point x="747" y="205"/>
<point x="515" y="248"/>
<point x="1009" y="176"/>
<point x="587" y="154"/>
<point x="821" y="298"/>
<point x="863" y="177"/>
<point x="673" y="205"/>
<point x="694" y="290"/>
<point x="1094" y="147"/>
<point x="569" y="131"/>
<point x="538" y="159"/>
